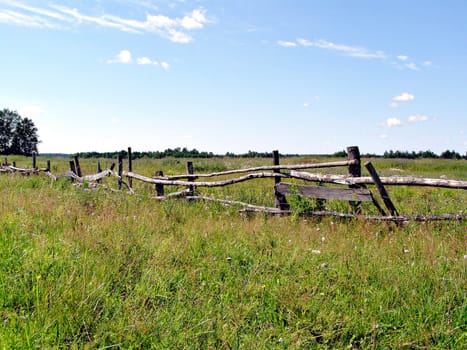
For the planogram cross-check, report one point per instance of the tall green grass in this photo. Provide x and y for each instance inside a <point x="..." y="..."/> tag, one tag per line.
<point x="94" y="268"/>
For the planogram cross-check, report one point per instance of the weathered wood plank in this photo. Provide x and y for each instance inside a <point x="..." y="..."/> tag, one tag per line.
<point x="267" y="167"/>
<point x="390" y="181"/>
<point x="321" y="192"/>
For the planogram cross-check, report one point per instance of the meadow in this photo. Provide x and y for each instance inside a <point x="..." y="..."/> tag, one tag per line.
<point x="94" y="268"/>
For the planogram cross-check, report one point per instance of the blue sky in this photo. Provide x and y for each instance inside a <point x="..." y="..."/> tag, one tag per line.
<point x="299" y="76"/>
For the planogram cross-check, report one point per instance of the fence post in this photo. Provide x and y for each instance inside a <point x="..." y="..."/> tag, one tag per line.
<point x="78" y="167"/>
<point x="73" y="169"/>
<point x="189" y="170"/>
<point x="120" y="171"/>
<point x="159" y="187"/>
<point x="281" y="201"/>
<point x="34" y="163"/>
<point x="355" y="170"/>
<point x="130" y="167"/>
<point x="381" y="189"/>
<point x="48" y="166"/>
<point x="99" y="170"/>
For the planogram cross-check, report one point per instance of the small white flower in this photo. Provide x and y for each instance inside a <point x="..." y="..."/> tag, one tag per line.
<point x="316" y="251"/>
<point x="323" y="239"/>
<point x="281" y="340"/>
<point x="406" y="251"/>
<point x="324" y="265"/>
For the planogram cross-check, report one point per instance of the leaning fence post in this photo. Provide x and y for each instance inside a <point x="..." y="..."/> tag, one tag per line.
<point x="130" y="167"/>
<point x="381" y="189"/>
<point x="281" y="201"/>
<point x="355" y="170"/>
<point x="159" y="187"/>
<point x="48" y="166"/>
<point x="120" y="171"/>
<point x="78" y="167"/>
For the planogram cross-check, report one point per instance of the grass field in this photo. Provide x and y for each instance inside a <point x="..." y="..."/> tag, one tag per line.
<point x="98" y="269"/>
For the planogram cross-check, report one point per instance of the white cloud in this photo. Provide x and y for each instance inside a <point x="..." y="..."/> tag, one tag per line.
<point x="392" y="122"/>
<point x="394" y="104"/>
<point x="306" y="105"/>
<point x="383" y="136"/>
<point x="418" y="118"/>
<point x="56" y="16"/>
<point x="123" y="56"/>
<point x="412" y="66"/>
<point x="286" y="43"/>
<point x="402" y="58"/>
<point x="404" y="97"/>
<point x="195" y="20"/>
<point x="353" y="51"/>
<point x="144" y="61"/>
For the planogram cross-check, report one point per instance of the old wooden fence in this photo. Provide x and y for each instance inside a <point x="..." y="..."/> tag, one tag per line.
<point x="354" y="187"/>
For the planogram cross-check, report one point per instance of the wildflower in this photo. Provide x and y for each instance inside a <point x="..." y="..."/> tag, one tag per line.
<point x="316" y="251"/>
<point x="324" y="265"/>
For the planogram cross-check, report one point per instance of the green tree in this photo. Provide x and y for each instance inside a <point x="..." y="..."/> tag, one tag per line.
<point x="17" y="135"/>
<point x="8" y="121"/>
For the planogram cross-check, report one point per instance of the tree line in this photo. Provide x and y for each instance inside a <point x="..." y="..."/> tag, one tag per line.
<point x="17" y="135"/>
<point x="448" y="154"/>
<point x="175" y="153"/>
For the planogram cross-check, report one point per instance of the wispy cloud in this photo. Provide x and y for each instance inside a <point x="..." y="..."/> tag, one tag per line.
<point x="392" y="122"/>
<point x="400" y="61"/>
<point x="55" y="16"/>
<point x="417" y="118"/>
<point x="286" y="43"/>
<point x="125" y="57"/>
<point x="353" y="51"/>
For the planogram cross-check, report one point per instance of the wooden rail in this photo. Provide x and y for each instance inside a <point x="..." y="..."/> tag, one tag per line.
<point x="355" y="190"/>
